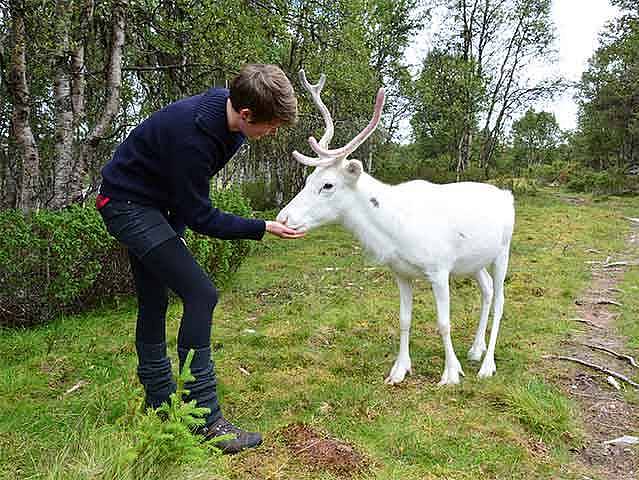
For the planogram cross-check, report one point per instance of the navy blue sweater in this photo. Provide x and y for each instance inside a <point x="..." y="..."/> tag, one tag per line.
<point x="168" y="160"/>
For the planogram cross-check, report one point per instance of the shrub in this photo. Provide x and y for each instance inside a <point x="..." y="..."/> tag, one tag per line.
<point x="48" y="262"/>
<point x="261" y="195"/>
<point x="581" y="179"/>
<point x="613" y="182"/>
<point x="221" y="258"/>
<point x="557" y="172"/>
<point x="439" y="170"/>
<point x="55" y="262"/>
<point x="517" y="185"/>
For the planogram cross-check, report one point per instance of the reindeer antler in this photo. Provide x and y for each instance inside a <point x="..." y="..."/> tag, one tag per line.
<point x="351" y="146"/>
<point x="329" y="157"/>
<point x="315" y="91"/>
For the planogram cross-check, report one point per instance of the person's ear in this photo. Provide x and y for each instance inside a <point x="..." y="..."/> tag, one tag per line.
<point x="246" y="114"/>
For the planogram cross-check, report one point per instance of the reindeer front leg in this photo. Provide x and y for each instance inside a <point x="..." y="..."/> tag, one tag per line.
<point x="402" y="365"/>
<point x="452" y="369"/>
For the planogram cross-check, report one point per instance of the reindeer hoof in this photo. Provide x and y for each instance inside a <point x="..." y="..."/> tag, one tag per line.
<point x="487" y="369"/>
<point x="451" y="375"/>
<point x="475" y="353"/>
<point x="397" y="373"/>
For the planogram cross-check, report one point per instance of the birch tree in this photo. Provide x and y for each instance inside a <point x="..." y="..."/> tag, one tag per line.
<point x="28" y="162"/>
<point x="79" y="74"/>
<point x="536" y="138"/>
<point x="498" y="41"/>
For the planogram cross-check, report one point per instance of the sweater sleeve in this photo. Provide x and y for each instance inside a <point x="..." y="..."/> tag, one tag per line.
<point x="191" y="185"/>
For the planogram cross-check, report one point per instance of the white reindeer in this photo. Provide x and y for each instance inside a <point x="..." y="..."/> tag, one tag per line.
<point x="417" y="228"/>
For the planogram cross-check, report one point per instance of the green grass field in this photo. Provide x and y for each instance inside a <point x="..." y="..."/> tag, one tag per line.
<point x="306" y="334"/>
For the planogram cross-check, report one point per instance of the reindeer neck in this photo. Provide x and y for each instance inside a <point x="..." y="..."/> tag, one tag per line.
<point x="371" y="216"/>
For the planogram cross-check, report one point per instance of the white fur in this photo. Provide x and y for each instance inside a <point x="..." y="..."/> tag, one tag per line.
<point x="419" y="229"/>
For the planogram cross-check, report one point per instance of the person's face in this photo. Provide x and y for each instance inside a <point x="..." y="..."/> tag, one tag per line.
<point x="256" y="130"/>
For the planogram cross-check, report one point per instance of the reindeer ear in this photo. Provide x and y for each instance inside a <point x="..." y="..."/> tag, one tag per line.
<point x="353" y="169"/>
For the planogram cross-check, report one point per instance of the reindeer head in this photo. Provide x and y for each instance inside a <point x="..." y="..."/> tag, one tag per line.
<point x="329" y="189"/>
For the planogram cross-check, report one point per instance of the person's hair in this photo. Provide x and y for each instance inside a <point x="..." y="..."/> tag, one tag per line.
<point x="266" y="91"/>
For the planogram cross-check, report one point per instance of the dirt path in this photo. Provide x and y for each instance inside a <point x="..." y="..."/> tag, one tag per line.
<point x="606" y="414"/>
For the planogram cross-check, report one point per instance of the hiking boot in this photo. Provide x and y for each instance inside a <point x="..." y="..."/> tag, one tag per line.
<point x="242" y="440"/>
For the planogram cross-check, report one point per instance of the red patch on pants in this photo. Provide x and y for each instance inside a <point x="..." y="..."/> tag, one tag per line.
<point x="101" y="201"/>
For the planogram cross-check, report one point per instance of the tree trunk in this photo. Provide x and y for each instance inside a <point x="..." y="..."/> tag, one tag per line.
<point x="64" y="163"/>
<point x="28" y="158"/>
<point x="114" y="79"/>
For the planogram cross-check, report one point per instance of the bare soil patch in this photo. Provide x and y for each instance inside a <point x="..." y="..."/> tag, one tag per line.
<point x="320" y="451"/>
<point x="299" y="449"/>
<point x="605" y="413"/>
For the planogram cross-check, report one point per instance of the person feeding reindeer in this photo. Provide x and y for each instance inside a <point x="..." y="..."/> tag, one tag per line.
<point x="418" y="229"/>
<point x="156" y="185"/>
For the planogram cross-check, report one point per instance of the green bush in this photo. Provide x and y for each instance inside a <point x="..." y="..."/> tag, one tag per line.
<point x="609" y="182"/>
<point x="396" y="170"/>
<point x="261" y="195"/>
<point x="221" y="258"/>
<point x="557" y="172"/>
<point x="517" y="185"/>
<point x="581" y="179"/>
<point x="49" y="262"/>
<point x="54" y="262"/>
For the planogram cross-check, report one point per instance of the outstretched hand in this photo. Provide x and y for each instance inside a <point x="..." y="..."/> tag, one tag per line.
<point x="280" y="230"/>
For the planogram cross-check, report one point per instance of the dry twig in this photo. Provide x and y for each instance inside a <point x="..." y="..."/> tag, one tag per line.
<point x="608" y="301"/>
<point x="595" y="367"/>
<point x="615" y="264"/>
<point x="621" y="356"/>
<point x="588" y="322"/>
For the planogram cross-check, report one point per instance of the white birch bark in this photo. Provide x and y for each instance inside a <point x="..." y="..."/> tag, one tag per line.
<point x="29" y="159"/>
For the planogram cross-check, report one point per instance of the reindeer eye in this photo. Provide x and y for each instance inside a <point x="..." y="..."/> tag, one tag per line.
<point x="327" y="186"/>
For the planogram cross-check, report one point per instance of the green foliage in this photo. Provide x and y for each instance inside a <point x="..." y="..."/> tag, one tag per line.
<point x="49" y="262"/>
<point x="461" y="99"/>
<point x="608" y="135"/>
<point x="446" y="96"/>
<point x="260" y="194"/>
<point x="401" y="163"/>
<point x="54" y="262"/>
<point x="518" y="185"/>
<point x="558" y="172"/>
<point x="536" y="138"/>
<point x="165" y="438"/>
<point x="220" y="258"/>
<point x="610" y="182"/>
<point x="176" y="49"/>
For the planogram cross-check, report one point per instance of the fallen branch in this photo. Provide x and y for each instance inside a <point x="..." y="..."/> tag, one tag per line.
<point x="621" y="356"/>
<point x="607" y="301"/>
<point x="595" y="367"/>
<point x="588" y="322"/>
<point x="615" y="264"/>
<point x="615" y="290"/>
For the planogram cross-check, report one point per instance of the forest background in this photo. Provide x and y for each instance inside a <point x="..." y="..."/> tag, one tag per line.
<point x="77" y="75"/>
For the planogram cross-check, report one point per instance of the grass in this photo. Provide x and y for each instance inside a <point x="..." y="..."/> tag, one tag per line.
<point x="315" y="325"/>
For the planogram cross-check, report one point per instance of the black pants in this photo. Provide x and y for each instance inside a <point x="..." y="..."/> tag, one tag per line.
<point x="160" y="261"/>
